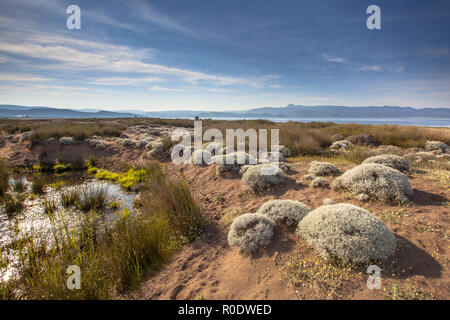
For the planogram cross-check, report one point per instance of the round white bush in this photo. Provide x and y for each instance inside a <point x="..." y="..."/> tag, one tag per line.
<point x="288" y="212"/>
<point x="341" y="144"/>
<point x="283" y="166"/>
<point x="373" y="180"/>
<point x="157" y="151"/>
<point x="436" y="145"/>
<point x="348" y="233"/>
<point x="319" y="182"/>
<point x="390" y="160"/>
<point x="253" y="179"/>
<point x="323" y="169"/>
<point x="250" y="232"/>
<point x="66" y="140"/>
<point x="268" y="157"/>
<point x="284" y="150"/>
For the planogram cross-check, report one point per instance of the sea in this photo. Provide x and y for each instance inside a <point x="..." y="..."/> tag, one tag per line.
<point x="423" y="122"/>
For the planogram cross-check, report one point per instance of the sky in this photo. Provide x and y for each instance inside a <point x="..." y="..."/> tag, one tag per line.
<point x="224" y="55"/>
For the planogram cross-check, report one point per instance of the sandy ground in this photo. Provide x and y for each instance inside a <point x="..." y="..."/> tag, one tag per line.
<point x="210" y="269"/>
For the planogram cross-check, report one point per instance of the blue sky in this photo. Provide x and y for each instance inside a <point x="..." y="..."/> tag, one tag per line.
<point x="224" y="55"/>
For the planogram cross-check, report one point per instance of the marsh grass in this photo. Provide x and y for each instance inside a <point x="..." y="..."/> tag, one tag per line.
<point x="50" y="205"/>
<point x="70" y="197"/>
<point x="4" y="179"/>
<point x="91" y="198"/>
<point x="13" y="205"/>
<point x="18" y="185"/>
<point x="37" y="185"/>
<point x="114" y="262"/>
<point x="172" y="198"/>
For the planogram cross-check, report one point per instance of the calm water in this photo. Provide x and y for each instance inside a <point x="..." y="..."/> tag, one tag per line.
<point x="425" y="122"/>
<point x="405" y="122"/>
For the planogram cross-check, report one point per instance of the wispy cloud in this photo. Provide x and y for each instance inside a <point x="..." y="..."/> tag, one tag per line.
<point x="75" y="55"/>
<point x="334" y="59"/>
<point x="9" y="77"/>
<point x="371" y="68"/>
<point x="363" y="67"/>
<point x="121" y="81"/>
<point x="165" y="89"/>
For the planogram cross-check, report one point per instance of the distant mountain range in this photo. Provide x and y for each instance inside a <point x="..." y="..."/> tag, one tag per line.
<point x="13" y="111"/>
<point x="289" y="112"/>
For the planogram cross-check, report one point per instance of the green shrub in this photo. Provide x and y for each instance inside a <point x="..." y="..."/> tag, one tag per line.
<point x="127" y="180"/>
<point x="114" y="205"/>
<point x="58" y="184"/>
<point x="61" y="167"/>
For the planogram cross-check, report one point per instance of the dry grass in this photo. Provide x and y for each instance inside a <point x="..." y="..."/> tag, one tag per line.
<point x="302" y="138"/>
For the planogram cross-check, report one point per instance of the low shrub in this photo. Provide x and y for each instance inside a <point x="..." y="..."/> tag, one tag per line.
<point x="436" y="145"/>
<point x="254" y="180"/>
<point x="319" y="182"/>
<point x="61" y="167"/>
<point x="128" y="180"/>
<point x="376" y="181"/>
<point x="322" y="169"/>
<point x="286" y="212"/>
<point x="348" y="233"/>
<point x="250" y="232"/>
<point x="390" y="160"/>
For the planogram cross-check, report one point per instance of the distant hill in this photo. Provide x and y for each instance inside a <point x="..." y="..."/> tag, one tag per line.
<point x="289" y="112"/>
<point x="323" y="112"/>
<point x="13" y="111"/>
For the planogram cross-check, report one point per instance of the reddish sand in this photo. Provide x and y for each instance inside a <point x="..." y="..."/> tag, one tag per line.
<point x="210" y="269"/>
